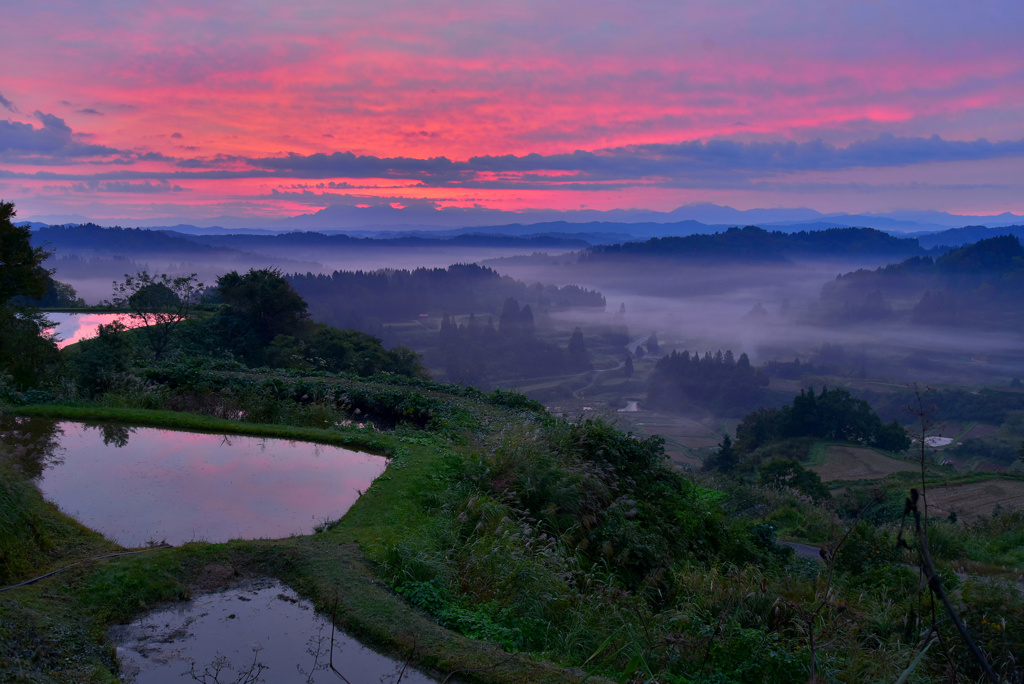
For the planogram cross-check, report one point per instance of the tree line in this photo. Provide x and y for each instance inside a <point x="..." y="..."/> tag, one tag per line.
<point x="475" y="352"/>
<point x="363" y="299"/>
<point x="719" y="382"/>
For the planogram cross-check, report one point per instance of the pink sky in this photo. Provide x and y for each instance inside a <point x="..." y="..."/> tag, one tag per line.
<point x="189" y="109"/>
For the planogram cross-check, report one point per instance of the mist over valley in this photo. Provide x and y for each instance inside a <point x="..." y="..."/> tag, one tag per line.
<point x="512" y="342"/>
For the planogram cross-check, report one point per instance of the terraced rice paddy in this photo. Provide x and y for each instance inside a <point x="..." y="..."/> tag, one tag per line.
<point x="859" y="463"/>
<point x="975" y="499"/>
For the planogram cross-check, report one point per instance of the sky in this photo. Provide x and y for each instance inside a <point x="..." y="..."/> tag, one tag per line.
<point x="265" y="109"/>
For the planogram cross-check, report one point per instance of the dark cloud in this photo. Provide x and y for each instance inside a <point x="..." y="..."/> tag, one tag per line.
<point x="701" y="163"/>
<point x="126" y="187"/>
<point x="154" y="156"/>
<point x="349" y="165"/>
<point x="176" y="135"/>
<point x="732" y="157"/>
<point x="55" y="141"/>
<point x="716" y="163"/>
<point x="90" y="111"/>
<point x="7" y="104"/>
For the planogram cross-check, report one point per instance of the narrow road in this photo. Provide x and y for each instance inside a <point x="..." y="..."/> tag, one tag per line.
<point x="593" y="378"/>
<point x="803" y="550"/>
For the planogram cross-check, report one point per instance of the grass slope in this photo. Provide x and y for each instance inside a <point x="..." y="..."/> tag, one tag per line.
<point x="54" y="630"/>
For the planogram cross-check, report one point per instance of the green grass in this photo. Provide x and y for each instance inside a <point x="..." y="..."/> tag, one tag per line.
<point x="194" y="422"/>
<point x="54" y="630"/>
<point x="43" y="628"/>
<point x="819" y="452"/>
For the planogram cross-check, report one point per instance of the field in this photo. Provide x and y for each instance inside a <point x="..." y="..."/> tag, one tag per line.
<point x="687" y="440"/>
<point x="858" y="463"/>
<point x="974" y="499"/>
<point x="980" y="431"/>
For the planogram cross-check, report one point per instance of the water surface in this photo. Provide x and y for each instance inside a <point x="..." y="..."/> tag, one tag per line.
<point x="137" y="485"/>
<point x="259" y="631"/>
<point x="69" y="328"/>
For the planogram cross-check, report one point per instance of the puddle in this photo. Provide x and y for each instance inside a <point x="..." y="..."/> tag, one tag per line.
<point x="631" y="407"/>
<point x="137" y="485"/>
<point x="260" y="631"/>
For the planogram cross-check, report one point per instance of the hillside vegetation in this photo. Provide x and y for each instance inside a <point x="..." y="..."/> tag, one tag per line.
<point x="504" y="544"/>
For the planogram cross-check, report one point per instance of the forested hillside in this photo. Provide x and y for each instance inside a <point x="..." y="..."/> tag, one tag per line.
<point x="975" y="285"/>
<point x="758" y="245"/>
<point x="351" y="298"/>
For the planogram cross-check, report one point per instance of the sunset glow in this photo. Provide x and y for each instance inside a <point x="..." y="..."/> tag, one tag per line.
<point x="119" y="110"/>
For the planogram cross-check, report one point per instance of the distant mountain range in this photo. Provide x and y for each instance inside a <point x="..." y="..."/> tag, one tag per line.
<point x="387" y="221"/>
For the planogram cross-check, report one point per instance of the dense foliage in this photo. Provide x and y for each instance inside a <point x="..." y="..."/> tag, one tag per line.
<point x="476" y="353"/>
<point x="361" y="299"/>
<point x="26" y="353"/>
<point x="57" y="295"/>
<point x="830" y="415"/>
<point x="576" y="539"/>
<point x="574" y="542"/>
<point x="989" y="404"/>
<point x="976" y="285"/>
<point x="720" y="383"/>
<point x="260" y="322"/>
<point x="758" y="245"/>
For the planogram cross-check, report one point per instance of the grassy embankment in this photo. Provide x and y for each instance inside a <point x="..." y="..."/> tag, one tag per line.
<point x="490" y="515"/>
<point x="53" y="630"/>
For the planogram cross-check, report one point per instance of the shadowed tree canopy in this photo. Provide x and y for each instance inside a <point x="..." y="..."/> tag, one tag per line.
<point x="161" y="303"/>
<point x="25" y="353"/>
<point x="265" y="321"/>
<point x="263" y="302"/>
<point x="718" y="382"/>
<point x="832" y="414"/>
<point x="21" y="264"/>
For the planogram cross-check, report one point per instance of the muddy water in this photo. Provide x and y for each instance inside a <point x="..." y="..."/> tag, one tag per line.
<point x="260" y="631"/>
<point x="140" y="485"/>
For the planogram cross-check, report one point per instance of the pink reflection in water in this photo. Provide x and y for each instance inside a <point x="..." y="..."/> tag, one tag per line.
<point x="179" y="486"/>
<point x="70" y="327"/>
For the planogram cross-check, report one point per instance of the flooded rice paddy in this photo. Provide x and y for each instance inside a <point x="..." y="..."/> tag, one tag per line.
<point x="69" y="328"/>
<point x="260" y="631"/>
<point x="140" y="485"/>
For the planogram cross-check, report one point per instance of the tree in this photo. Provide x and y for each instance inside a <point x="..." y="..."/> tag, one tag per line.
<point x="725" y="459"/>
<point x="160" y="303"/>
<point x="576" y="351"/>
<point x="26" y="351"/>
<point x="57" y="294"/>
<point x="264" y="301"/>
<point x="21" y="264"/>
<point x="98" y="362"/>
<point x="787" y="472"/>
<point x="652" y="344"/>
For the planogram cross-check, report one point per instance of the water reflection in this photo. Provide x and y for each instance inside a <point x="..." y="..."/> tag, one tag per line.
<point x="138" y="485"/>
<point x="69" y="328"/>
<point x="29" y="444"/>
<point x="114" y="434"/>
<point x="260" y="631"/>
